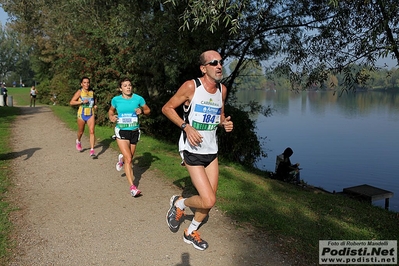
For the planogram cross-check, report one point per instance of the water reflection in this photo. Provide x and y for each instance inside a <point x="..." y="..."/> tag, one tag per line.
<point x="340" y="141"/>
<point x="349" y="103"/>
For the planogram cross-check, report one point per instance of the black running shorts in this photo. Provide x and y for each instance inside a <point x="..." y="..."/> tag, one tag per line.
<point x="198" y="159"/>
<point x="132" y="135"/>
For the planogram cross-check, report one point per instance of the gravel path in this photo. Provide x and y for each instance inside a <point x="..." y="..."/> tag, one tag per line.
<point x="75" y="210"/>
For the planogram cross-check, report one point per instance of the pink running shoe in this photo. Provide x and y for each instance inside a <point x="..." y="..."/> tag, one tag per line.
<point x="92" y="154"/>
<point x="119" y="164"/>
<point x="134" y="191"/>
<point x="78" y="145"/>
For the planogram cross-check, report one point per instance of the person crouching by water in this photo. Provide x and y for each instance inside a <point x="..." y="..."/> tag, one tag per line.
<point x="285" y="170"/>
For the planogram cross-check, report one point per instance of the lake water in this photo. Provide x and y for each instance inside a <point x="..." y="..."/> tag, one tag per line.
<point x="340" y="141"/>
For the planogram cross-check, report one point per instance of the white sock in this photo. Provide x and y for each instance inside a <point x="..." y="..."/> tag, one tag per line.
<point x="180" y="204"/>
<point x="193" y="226"/>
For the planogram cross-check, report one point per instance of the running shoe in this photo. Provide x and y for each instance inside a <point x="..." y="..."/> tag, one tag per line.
<point x="78" y="145"/>
<point x="134" y="191"/>
<point x="92" y="154"/>
<point x="119" y="164"/>
<point x="174" y="214"/>
<point x="195" y="239"/>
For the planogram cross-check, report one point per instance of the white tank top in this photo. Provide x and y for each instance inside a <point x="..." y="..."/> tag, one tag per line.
<point x="204" y="115"/>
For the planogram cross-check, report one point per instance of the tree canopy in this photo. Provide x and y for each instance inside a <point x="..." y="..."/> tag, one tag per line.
<point x="157" y="43"/>
<point x="309" y="38"/>
<point x="13" y="53"/>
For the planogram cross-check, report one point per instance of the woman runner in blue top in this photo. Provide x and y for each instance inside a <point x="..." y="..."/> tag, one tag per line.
<point x="125" y="110"/>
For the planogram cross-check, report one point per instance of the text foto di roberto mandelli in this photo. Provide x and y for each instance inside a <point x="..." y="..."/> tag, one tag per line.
<point x="368" y="251"/>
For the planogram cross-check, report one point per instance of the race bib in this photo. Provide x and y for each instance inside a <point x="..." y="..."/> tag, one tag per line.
<point x="206" y="118"/>
<point x="128" y="120"/>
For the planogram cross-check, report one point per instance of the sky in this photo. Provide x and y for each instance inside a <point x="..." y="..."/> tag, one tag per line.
<point x="3" y="16"/>
<point x="391" y="63"/>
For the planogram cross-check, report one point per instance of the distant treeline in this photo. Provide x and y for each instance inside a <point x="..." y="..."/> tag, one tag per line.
<point x="377" y="79"/>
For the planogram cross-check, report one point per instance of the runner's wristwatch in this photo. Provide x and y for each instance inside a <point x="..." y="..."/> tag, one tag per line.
<point x="183" y="126"/>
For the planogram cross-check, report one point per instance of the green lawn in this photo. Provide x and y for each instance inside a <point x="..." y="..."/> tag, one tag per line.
<point x="7" y="116"/>
<point x="20" y="96"/>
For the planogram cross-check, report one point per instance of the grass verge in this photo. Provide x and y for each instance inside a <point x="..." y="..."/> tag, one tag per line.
<point x="7" y="116"/>
<point x="294" y="216"/>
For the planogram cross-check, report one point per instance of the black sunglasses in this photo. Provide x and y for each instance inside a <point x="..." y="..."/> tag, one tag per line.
<point x="215" y="62"/>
